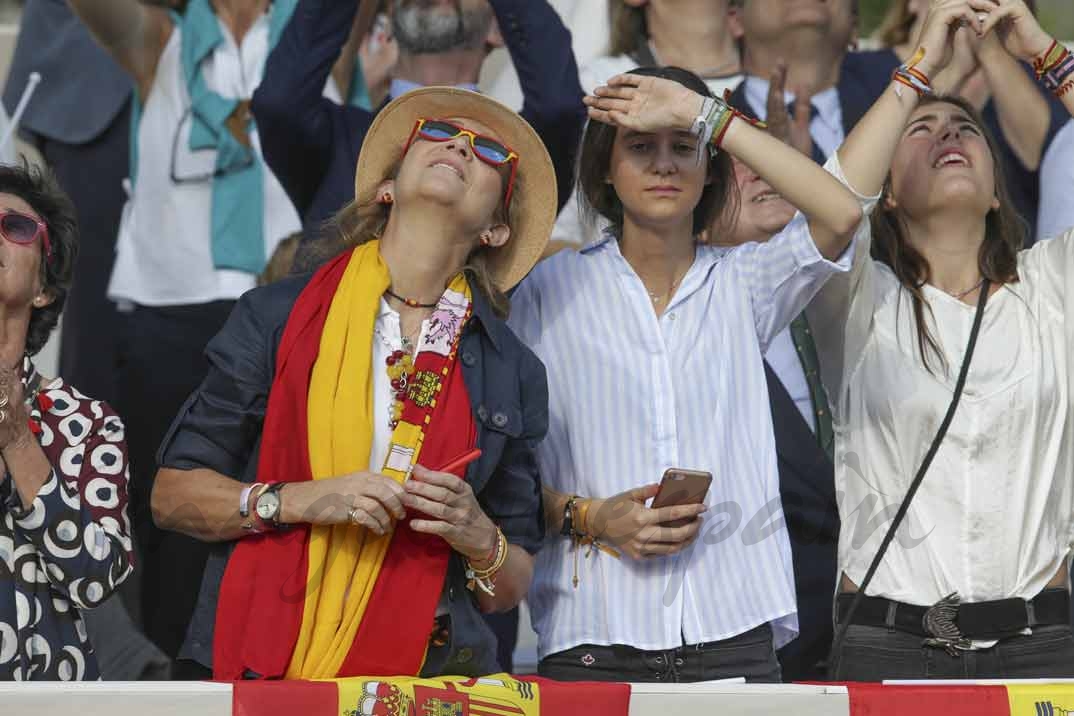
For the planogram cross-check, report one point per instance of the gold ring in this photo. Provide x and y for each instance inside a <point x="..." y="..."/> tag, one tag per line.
<point x="3" y="400"/>
<point x="3" y="415"/>
<point x="352" y="515"/>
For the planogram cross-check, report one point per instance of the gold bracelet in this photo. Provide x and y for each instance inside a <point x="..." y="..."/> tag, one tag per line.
<point x="485" y="579"/>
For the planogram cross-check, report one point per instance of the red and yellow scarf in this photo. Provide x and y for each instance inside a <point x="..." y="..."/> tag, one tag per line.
<point x="324" y="601"/>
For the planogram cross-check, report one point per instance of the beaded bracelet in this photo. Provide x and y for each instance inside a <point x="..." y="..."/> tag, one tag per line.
<point x="711" y="124"/>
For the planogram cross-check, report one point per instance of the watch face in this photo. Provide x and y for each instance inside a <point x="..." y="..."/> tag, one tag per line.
<point x="267" y="505"/>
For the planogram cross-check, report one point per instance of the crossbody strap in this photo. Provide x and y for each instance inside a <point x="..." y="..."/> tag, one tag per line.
<point x="841" y="628"/>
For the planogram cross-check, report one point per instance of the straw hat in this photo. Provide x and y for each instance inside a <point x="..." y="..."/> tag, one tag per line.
<point x="533" y="205"/>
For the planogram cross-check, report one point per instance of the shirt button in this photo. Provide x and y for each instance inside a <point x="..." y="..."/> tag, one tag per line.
<point x="468" y="359"/>
<point x="465" y="654"/>
<point x="499" y="420"/>
<point x="671" y="316"/>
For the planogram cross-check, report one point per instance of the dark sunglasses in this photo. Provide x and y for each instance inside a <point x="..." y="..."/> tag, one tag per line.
<point x="485" y="148"/>
<point x="23" y="230"/>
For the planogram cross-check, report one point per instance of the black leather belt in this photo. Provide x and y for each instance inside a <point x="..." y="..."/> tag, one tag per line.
<point x="952" y="621"/>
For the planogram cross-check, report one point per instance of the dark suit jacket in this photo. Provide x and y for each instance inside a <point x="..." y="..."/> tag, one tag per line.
<point x="82" y="89"/>
<point x="807" y="488"/>
<point x="863" y="77"/>
<point x="312" y="144"/>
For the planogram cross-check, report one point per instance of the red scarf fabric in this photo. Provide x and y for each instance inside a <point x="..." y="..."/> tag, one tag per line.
<point x="260" y="605"/>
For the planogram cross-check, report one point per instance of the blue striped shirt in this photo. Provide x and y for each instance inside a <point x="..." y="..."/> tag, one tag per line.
<point x="631" y="395"/>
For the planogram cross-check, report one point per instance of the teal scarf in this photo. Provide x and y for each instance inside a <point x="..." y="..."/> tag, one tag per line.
<point x="237" y="228"/>
<point x="238" y="216"/>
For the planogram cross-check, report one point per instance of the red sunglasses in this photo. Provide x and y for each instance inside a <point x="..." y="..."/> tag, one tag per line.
<point x="21" y="229"/>
<point x="485" y="148"/>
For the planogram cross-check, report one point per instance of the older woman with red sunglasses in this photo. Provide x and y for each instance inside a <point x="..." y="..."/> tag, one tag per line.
<point x="65" y="540"/>
<point x="361" y="453"/>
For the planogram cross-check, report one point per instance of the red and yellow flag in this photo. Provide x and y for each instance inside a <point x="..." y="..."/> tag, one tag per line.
<point x="496" y="695"/>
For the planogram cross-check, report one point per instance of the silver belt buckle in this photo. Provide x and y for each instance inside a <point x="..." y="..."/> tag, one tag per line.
<point x="939" y="624"/>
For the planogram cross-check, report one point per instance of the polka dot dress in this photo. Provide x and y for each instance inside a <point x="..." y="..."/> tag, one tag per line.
<point x="71" y="547"/>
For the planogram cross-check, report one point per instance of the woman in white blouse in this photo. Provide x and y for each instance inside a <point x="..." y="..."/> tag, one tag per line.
<point x="653" y="346"/>
<point x="975" y="583"/>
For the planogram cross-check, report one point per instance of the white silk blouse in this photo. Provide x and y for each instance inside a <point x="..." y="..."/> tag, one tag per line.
<point x="994" y="517"/>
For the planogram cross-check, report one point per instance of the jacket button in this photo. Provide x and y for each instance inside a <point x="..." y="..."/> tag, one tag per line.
<point x="482" y="412"/>
<point x="451" y="594"/>
<point x="464" y="655"/>
<point x="468" y="359"/>
<point x="499" y="420"/>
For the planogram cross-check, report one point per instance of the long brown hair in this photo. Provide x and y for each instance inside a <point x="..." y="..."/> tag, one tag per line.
<point x="997" y="259"/>
<point x="364" y="219"/>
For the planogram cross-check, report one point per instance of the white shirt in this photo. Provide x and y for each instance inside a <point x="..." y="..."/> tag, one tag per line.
<point x="164" y="249"/>
<point x="783" y="359"/>
<point x="1056" y="212"/>
<point x="570" y="226"/>
<point x="826" y="128"/>
<point x="631" y="395"/>
<point x="994" y="517"/>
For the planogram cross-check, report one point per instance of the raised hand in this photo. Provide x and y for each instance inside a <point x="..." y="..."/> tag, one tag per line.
<point x="943" y="20"/>
<point x="781" y="125"/>
<point x="1015" y="26"/>
<point x="644" y="104"/>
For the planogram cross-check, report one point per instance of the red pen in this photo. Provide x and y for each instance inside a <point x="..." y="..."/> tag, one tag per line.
<point x="461" y="461"/>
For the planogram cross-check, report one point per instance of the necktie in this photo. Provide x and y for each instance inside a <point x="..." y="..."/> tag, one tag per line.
<point x="807" y="354"/>
<point x="818" y="155"/>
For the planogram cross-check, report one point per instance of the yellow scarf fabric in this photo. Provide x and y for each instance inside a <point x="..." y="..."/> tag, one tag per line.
<point x="344" y="560"/>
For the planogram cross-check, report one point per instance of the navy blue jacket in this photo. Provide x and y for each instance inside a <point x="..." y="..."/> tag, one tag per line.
<point x="220" y="428"/>
<point x="807" y="490"/>
<point x="312" y="143"/>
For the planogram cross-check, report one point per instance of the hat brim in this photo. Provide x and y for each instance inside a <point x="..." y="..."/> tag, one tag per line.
<point x="533" y="205"/>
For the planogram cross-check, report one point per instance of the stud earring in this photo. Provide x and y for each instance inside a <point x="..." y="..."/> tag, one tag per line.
<point x="387" y="198"/>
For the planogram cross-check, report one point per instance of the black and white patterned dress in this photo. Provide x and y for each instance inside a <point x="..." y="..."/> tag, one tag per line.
<point x="72" y="547"/>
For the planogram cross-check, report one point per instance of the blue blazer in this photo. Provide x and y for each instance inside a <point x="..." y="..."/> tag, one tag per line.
<point x="82" y="89"/>
<point x="807" y="489"/>
<point x="312" y="143"/>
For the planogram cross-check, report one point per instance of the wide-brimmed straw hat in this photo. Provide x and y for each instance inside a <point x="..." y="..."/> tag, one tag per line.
<point x="533" y="206"/>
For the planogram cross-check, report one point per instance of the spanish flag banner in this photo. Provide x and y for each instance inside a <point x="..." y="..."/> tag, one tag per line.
<point x="496" y="695"/>
<point x="1028" y="698"/>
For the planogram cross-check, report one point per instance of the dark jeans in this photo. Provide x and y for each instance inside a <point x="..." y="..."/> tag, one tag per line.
<point x="750" y="655"/>
<point x="161" y="363"/>
<point x="877" y="653"/>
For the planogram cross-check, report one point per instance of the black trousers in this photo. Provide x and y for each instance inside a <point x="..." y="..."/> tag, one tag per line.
<point x="92" y="175"/>
<point x="161" y="362"/>
<point x="877" y="653"/>
<point x="749" y="654"/>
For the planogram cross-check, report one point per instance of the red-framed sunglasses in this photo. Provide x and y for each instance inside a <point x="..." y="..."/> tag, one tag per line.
<point x="22" y="229"/>
<point x="485" y="148"/>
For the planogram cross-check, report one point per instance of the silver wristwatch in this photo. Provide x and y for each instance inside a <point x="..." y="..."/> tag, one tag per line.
<point x="269" y="505"/>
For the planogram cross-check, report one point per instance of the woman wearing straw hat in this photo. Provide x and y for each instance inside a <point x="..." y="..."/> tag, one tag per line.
<point x="326" y="450"/>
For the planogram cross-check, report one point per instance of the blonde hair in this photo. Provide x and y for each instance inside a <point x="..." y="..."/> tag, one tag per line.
<point x="283" y="258"/>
